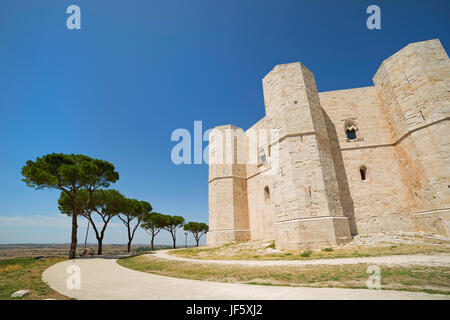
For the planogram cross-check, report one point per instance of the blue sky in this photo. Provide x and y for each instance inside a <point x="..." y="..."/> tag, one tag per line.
<point x="139" y="69"/>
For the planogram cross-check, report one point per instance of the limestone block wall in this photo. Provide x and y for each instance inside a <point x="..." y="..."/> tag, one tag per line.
<point x="228" y="203"/>
<point x="424" y="159"/>
<point x="382" y="202"/>
<point x="318" y="232"/>
<point x="413" y="87"/>
<point x="361" y="106"/>
<point x="306" y="184"/>
<point x="260" y="205"/>
<point x="260" y="208"/>
<point x="423" y="156"/>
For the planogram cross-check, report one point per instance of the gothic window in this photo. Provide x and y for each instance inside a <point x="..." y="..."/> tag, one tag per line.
<point x="266" y="193"/>
<point x="363" y="172"/>
<point x="350" y="129"/>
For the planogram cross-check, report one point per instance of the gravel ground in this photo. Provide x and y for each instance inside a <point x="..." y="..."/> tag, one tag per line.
<point x="262" y="247"/>
<point x="419" y="259"/>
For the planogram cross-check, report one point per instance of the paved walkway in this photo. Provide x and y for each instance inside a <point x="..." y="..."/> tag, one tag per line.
<point x="419" y="259"/>
<point x="105" y="279"/>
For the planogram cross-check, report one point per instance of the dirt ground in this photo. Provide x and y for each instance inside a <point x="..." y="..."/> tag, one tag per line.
<point x="392" y="243"/>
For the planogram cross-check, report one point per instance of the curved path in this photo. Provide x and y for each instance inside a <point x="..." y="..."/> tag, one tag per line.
<point x="105" y="279"/>
<point x="419" y="259"/>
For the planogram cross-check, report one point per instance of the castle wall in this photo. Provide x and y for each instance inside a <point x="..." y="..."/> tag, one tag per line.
<point x="261" y="209"/>
<point x="305" y="190"/>
<point x="228" y="203"/>
<point x="382" y="201"/>
<point x="413" y="86"/>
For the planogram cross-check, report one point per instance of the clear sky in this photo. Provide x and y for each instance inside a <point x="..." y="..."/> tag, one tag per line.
<point x="139" y="69"/>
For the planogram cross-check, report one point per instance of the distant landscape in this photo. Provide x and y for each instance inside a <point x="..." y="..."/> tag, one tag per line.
<point x="61" y="249"/>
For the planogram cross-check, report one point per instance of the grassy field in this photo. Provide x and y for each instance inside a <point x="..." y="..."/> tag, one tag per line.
<point x="26" y="273"/>
<point x="410" y="278"/>
<point x="234" y="252"/>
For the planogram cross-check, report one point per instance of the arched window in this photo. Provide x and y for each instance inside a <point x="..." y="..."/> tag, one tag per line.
<point x="363" y="172"/>
<point x="266" y="193"/>
<point x="350" y="129"/>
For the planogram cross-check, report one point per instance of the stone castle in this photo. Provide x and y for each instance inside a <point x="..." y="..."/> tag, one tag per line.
<point x="347" y="162"/>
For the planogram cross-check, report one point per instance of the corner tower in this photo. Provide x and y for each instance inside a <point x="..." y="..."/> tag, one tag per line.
<point x="413" y="87"/>
<point x="305" y="190"/>
<point x="228" y="204"/>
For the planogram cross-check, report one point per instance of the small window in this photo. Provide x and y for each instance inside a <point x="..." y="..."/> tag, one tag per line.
<point x="351" y="134"/>
<point x="266" y="193"/>
<point x="363" y="172"/>
<point x="350" y="128"/>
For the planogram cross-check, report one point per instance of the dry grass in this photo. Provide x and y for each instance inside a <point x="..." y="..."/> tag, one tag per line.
<point x="9" y="268"/>
<point x="26" y="273"/>
<point x="345" y="252"/>
<point x="410" y="278"/>
<point x="363" y="246"/>
<point x="62" y="250"/>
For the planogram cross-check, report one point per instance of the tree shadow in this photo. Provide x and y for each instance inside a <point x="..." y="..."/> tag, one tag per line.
<point x="114" y="256"/>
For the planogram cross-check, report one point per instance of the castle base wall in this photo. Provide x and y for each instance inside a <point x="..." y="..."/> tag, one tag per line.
<point x="436" y="221"/>
<point x="220" y="237"/>
<point x="376" y="222"/>
<point x="312" y="233"/>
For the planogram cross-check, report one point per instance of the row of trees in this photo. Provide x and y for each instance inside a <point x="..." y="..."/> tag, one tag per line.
<point x="83" y="182"/>
<point x="106" y="204"/>
<point x="155" y="222"/>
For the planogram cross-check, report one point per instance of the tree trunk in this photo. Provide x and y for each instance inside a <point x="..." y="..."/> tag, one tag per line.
<point x="197" y="241"/>
<point x="99" y="249"/>
<point x="153" y="248"/>
<point x="73" y="244"/>
<point x="174" y="242"/>
<point x="129" y="236"/>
